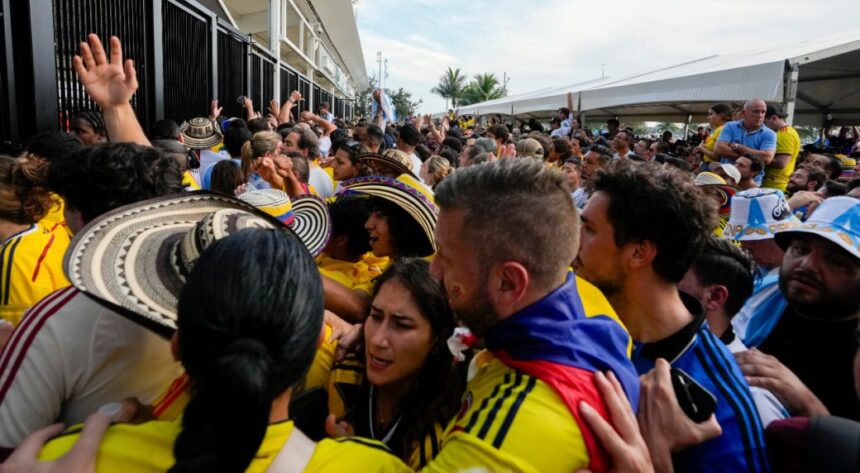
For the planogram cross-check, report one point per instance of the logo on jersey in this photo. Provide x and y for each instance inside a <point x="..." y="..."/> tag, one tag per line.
<point x="781" y="210"/>
<point x="465" y="405"/>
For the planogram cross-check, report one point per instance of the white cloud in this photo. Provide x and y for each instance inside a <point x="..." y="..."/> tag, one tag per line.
<point x="559" y="42"/>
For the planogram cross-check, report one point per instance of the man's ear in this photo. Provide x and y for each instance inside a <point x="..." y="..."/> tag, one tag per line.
<point x="714" y="297"/>
<point x="640" y="254"/>
<point x="509" y="283"/>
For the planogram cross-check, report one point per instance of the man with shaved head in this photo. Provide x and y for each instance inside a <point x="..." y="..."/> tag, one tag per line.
<point x="748" y="136"/>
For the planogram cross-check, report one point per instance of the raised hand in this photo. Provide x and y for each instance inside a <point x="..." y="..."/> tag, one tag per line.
<point x="274" y="108"/>
<point x="108" y="83"/>
<point x="214" y="110"/>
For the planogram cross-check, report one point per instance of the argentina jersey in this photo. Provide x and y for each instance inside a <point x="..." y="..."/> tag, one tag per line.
<point x="699" y="353"/>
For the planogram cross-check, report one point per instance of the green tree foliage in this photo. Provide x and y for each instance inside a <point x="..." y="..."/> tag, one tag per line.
<point x="403" y="103"/>
<point x="450" y="86"/>
<point x="481" y="88"/>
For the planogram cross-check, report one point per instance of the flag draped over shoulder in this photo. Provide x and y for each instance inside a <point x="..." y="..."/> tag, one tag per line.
<point x="554" y="341"/>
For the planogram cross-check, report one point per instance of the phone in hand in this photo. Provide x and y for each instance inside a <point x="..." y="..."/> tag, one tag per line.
<point x="696" y="401"/>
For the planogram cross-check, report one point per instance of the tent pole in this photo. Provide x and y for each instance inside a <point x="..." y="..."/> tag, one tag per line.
<point x="790" y="95"/>
<point x="687" y="125"/>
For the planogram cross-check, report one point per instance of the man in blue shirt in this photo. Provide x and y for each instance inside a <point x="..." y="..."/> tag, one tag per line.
<point x="748" y="136"/>
<point x="637" y="243"/>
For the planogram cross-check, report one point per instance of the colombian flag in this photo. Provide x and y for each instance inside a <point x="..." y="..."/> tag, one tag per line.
<point x="554" y="341"/>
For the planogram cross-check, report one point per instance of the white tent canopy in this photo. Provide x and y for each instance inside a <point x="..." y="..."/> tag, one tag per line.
<point x="812" y="80"/>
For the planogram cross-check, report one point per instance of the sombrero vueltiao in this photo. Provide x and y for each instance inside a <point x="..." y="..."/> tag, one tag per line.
<point x="716" y="183"/>
<point x="370" y="159"/>
<point x="307" y="215"/>
<point x="137" y="257"/>
<point x="200" y="133"/>
<point x="405" y="192"/>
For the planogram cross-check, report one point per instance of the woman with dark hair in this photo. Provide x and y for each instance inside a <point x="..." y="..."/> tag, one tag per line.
<point x="393" y="232"/>
<point x="401" y="224"/>
<point x="89" y="127"/>
<point x="560" y="151"/>
<point x="245" y="342"/>
<point x="345" y="165"/>
<point x="31" y="249"/>
<point x="401" y="386"/>
<point x="226" y="177"/>
<point x="718" y="115"/>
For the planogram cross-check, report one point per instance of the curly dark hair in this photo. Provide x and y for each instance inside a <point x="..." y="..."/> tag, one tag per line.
<point x="661" y="205"/>
<point x="53" y="145"/>
<point x="103" y="177"/>
<point x="348" y="214"/>
<point x="24" y="199"/>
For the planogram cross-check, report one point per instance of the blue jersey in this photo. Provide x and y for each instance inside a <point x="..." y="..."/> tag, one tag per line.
<point x="700" y="354"/>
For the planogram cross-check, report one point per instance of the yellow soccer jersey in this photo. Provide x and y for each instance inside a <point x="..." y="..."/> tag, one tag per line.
<point x="711" y="142"/>
<point x="510" y="421"/>
<point x="148" y="448"/>
<point x="31" y="267"/>
<point x="787" y="142"/>
<point x="358" y="275"/>
<point x="189" y="182"/>
<point x="347" y="386"/>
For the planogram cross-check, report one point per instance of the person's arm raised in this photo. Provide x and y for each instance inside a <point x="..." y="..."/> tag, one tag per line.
<point x="111" y="84"/>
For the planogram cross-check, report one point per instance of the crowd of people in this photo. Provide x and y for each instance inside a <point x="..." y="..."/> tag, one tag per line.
<point x="299" y="292"/>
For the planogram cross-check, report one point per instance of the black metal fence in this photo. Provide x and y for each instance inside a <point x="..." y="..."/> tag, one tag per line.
<point x="232" y="71"/>
<point x="73" y="20"/>
<point x="187" y="62"/>
<point x="5" y="119"/>
<point x="185" y="56"/>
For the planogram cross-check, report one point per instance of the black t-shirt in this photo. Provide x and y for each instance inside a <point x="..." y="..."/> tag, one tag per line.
<point x="821" y="353"/>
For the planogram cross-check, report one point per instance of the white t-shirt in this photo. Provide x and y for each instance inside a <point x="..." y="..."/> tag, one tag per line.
<point x="321" y="182"/>
<point x="71" y="355"/>
<point x="416" y="166"/>
<point x="768" y="406"/>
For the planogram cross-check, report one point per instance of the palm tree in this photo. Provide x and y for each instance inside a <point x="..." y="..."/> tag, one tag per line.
<point x="483" y="87"/>
<point x="450" y="86"/>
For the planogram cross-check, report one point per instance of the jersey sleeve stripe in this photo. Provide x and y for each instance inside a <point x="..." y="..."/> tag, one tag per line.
<point x="512" y="412"/>
<point x="38" y="321"/>
<point x="9" y="261"/>
<point x="744" y="396"/>
<point x="745" y="404"/>
<point x="22" y="327"/>
<point x="474" y="419"/>
<point x="491" y="416"/>
<point x="42" y="257"/>
<point x="735" y="408"/>
<point x="4" y="258"/>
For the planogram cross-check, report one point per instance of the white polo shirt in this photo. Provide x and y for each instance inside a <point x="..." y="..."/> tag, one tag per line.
<point x="69" y="356"/>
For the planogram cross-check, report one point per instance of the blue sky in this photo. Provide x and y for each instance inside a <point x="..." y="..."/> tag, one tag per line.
<point x="559" y="42"/>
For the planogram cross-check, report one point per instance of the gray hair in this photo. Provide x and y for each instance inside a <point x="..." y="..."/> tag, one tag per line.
<point x="486" y="145"/>
<point x="503" y="197"/>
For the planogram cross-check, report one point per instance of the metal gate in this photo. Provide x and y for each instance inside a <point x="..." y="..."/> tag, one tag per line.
<point x="232" y="71"/>
<point x="73" y="20"/>
<point x="187" y="62"/>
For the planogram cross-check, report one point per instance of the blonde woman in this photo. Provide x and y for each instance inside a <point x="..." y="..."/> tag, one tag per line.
<point x="434" y="170"/>
<point x="264" y="165"/>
